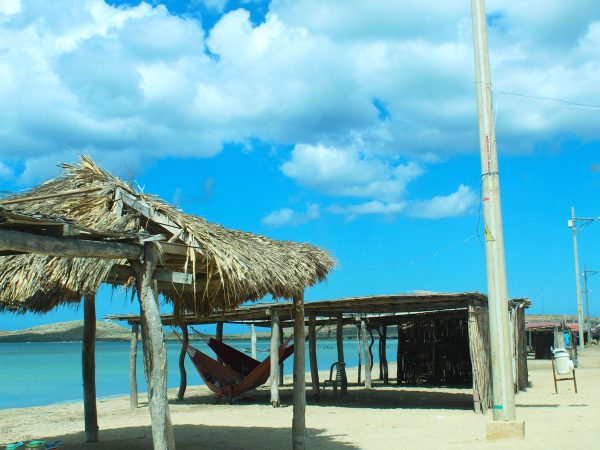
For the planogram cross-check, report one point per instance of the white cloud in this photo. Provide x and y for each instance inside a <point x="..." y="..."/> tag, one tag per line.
<point x="374" y="207"/>
<point x="9" y="7"/>
<point x="456" y="204"/>
<point x="290" y="217"/>
<point x="142" y="82"/>
<point x="347" y="172"/>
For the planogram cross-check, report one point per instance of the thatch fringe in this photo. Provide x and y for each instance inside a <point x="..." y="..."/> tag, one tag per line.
<point x="229" y="266"/>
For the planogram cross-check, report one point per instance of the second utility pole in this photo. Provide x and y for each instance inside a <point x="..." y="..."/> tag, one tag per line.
<point x="577" y="285"/>
<point x="501" y="348"/>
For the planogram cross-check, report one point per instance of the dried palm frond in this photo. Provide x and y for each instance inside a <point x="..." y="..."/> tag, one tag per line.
<point x="229" y="266"/>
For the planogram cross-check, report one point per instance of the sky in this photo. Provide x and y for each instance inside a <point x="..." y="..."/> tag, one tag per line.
<point x="347" y="124"/>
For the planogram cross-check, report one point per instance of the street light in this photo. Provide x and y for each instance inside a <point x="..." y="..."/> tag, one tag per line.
<point x="573" y="225"/>
<point x="587" y="303"/>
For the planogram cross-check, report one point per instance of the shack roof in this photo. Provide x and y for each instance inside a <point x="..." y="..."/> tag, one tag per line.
<point x="374" y="307"/>
<point x="228" y="267"/>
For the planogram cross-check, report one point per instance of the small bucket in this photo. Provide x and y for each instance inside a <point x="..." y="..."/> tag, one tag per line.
<point x="36" y="444"/>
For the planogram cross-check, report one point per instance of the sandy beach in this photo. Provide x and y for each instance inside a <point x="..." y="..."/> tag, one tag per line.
<point x="384" y="417"/>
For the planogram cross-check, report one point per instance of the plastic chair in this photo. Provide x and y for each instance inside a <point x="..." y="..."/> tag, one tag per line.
<point x="333" y="382"/>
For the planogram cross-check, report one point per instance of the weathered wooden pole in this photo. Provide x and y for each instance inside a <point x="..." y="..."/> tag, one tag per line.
<point x="275" y="327"/>
<point x="398" y="357"/>
<point x="88" y="366"/>
<point x="155" y="352"/>
<point x="281" y="372"/>
<point x="383" y="354"/>
<point x="219" y="337"/>
<point x="339" y="336"/>
<point x="367" y="351"/>
<point x="133" y="344"/>
<point x="299" y="419"/>
<point x="182" y="372"/>
<point x="359" y="352"/>
<point x="312" y="351"/>
<point x="253" y="340"/>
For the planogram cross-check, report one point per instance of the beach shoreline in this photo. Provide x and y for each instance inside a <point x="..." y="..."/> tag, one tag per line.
<point x="411" y="417"/>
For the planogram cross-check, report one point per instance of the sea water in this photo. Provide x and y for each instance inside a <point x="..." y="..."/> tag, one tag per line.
<point x="42" y="373"/>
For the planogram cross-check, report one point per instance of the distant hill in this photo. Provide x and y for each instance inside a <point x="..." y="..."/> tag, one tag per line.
<point x="105" y="331"/>
<point x="109" y="331"/>
<point x="66" y="332"/>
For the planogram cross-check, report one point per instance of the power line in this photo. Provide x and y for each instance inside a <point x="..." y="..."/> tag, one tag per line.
<point x="551" y="101"/>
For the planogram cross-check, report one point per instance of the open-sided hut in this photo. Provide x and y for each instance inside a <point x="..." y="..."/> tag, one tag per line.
<point x="442" y="338"/>
<point x="199" y="266"/>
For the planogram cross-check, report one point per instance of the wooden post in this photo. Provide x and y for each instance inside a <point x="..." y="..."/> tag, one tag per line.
<point x="253" y="340"/>
<point x="383" y="354"/>
<point x="299" y="419"/>
<point x="312" y="351"/>
<point x="281" y="372"/>
<point x="398" y="365"/>
<point x="133" y="392"/>
<point x="339" y="335"/>
<point x="275" y="327"/>
<point x="359" y="352"/>
<point x="182" y="372"/>
<point x="367" y="351"/>
<point x="155" y="352"/>
<point x="219" y="336"/>
<point x="88" y="365"/>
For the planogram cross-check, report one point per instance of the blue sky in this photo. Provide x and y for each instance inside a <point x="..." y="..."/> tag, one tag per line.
<point x="347" y="124"/>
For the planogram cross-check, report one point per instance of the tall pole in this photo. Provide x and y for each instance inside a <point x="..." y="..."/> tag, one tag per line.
<point x="577" y="285"/>
<point x="503" y="391"/>
<point x="587" y="301"/>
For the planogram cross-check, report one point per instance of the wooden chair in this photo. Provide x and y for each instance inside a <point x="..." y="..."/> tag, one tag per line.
<point x="333" y="382"/>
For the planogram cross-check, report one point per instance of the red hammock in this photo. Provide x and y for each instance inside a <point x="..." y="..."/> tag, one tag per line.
<point x="238" y="373"/>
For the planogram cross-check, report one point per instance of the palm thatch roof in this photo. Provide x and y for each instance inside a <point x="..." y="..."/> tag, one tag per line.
<point x="228" y="267"/>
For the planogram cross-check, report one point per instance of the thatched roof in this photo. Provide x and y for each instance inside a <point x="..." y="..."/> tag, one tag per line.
<point x="229" y="266"/>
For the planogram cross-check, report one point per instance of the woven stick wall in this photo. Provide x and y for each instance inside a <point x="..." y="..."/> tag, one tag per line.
<point x="479" y="347"/>
<point x="434" y="352"/>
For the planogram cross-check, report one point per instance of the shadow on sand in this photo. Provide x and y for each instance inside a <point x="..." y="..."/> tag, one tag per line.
<point x="202" y="437"/>
<point x="387" y="397"/>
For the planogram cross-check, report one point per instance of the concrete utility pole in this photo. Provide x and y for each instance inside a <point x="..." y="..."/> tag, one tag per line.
<point x="503" y="389"/>
<point x="573" y="226"/>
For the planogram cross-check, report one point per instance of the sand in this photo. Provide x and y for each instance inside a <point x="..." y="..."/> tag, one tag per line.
<point x="382" y="418"/>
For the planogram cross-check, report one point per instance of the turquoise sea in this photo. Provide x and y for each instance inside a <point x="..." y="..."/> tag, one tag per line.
<point x="42" y="373"/>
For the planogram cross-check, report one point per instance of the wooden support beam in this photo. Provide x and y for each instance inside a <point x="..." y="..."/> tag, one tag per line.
<point x="88" y="363"/>
<point x="367" y="352"/>
<point x="253" y="341"/>
<point x="168" y="276"/>
<point x="383" y="364"/>
<point x="133" y="344"/>
<point x="299" y="409"/>
<point x="275" y="327"/>
<point x="398" y="357"/>
<point x="161" y="219"/>
<point x="182" y="372"/>
<point x="31" y="243"/>
<point x="312" y="351"/>
<point x="339" y="335"/>
<point x="359" y="352"/>
<point x="155" y="352"/>
<point x="281" y="366"/>
<point x="219" y="336"/>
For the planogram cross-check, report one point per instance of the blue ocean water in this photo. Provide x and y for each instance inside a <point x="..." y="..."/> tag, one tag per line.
<point x="42" y="373"/>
